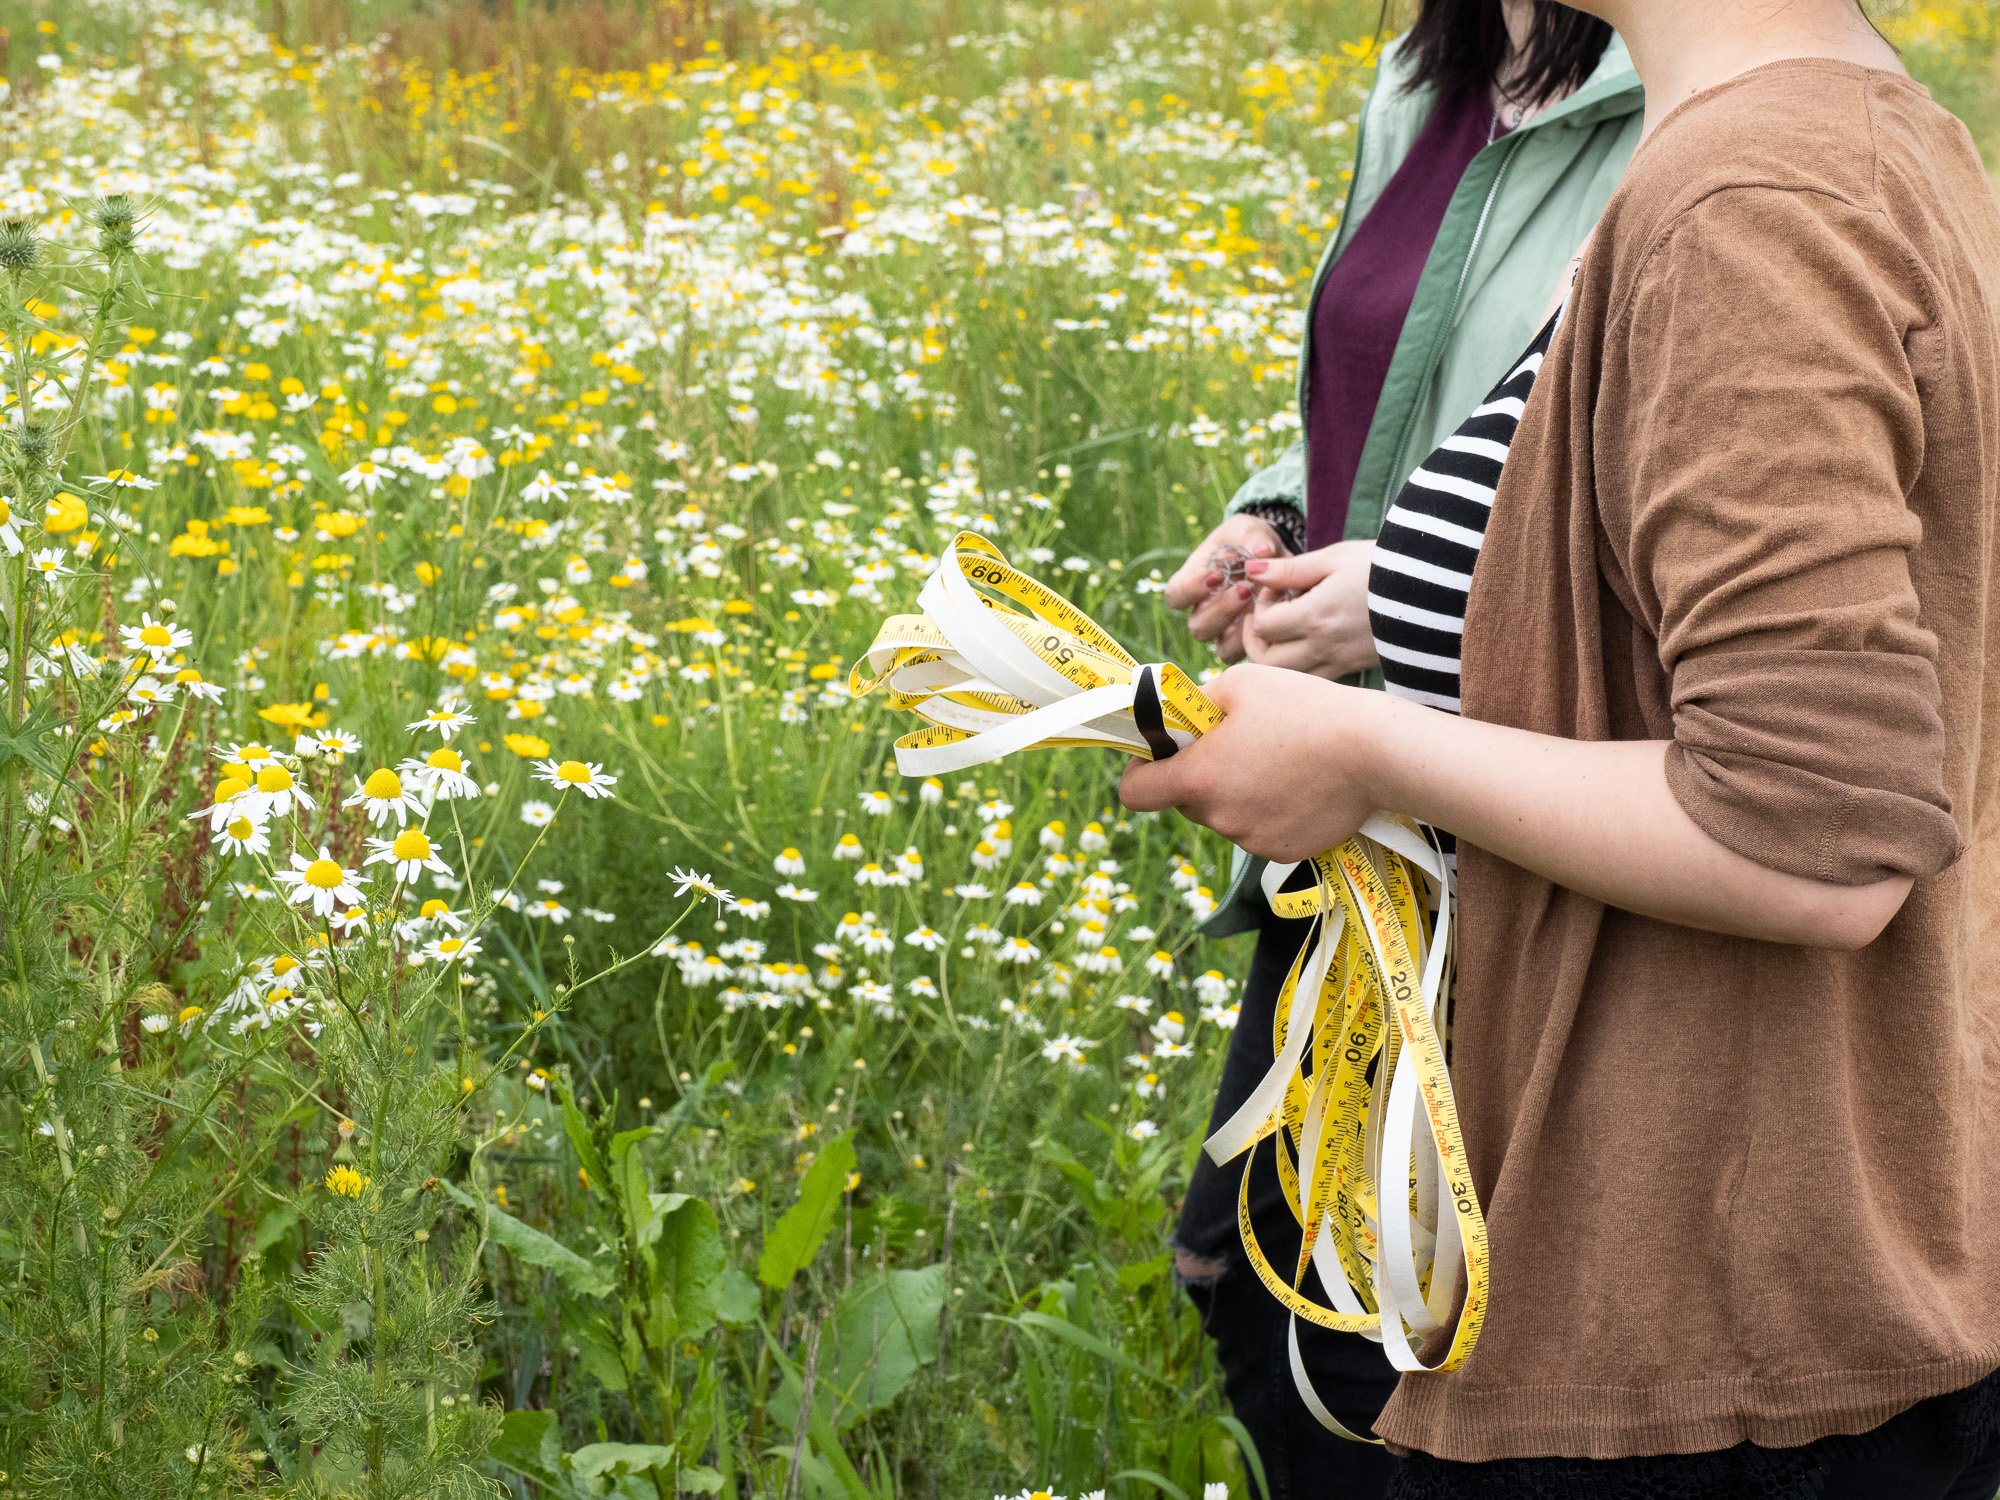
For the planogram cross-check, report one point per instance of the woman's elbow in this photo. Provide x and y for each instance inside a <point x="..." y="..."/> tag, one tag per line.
<point x="1846" y="918"/>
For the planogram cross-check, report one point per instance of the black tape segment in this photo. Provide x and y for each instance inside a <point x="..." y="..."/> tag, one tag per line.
<point x="1149" y="716"/>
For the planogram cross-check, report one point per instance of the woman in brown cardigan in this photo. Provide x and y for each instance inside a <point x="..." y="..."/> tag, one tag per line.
<point x="1728" y="856"/>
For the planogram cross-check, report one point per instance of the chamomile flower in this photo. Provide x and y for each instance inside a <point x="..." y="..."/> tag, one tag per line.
<point x="931" y="793"/>
<point x="155" y="636"/>
<point x="542" y="488"/>
<point x="441" y="774"/>
<point x="382" y="797"/>
<point x="1161" y="964"/>
<point x="877" y="804"/>
<point x="243" y="836"/>
<point x="10" y="536"/>
<point x="549" y="908"/>
<point x="925" y="938"/>
<point x="970" y="890"/>
<point x="875" y="942"/>
<point x="789" y="862"/>
<point x="437" y="914"/>
<point x="588" y="777"/>
<point x="537" y="814"/>
<point x="321" y="883"/>
<point x="849" y="847"/>
<point x="1052" y="835"/>
<point x="366" y="475"/>
<point x="447" y="719"/>
<point x="1017" y="950"/>
<point x="1065" y="1048"/>
<point x="47" y="561"/>
<point x="155" y="1023"/>
<point x="275" y="794"/>
<point x="1104" y="961"/>
<point x="448" y="950"/>
<point x="411" y="852"/>
<point x="687" y="881"/>
<point x="1137" y="1003"/>
<point x="191" y="682"/>
<point x="792" y="892"/>
<point x="1023" y="894"/>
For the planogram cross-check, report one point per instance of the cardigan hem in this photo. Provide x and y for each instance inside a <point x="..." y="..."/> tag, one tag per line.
<point x="1438" y="1415"/>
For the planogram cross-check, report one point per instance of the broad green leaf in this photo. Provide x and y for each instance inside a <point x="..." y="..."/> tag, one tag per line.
<point x="737" y="1300"/>
<point x="698" y="1480"/>
<point x="691" y="1262"/>
<point x="536" y="1248"/>
<point x="623" y="1142"/>
<point x="885" y="1330"/>
<point x="273" y="1227"/>
<point x="598" y="1352"/>
<point x="520" y="1443"/>
<point x="627" y="1458"/>
<point x="795" y="1239"/>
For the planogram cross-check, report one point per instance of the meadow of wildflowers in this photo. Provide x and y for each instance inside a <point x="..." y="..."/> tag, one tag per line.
<point x="477" y="1007"/>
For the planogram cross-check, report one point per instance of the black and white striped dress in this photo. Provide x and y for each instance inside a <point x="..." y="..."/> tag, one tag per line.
<point x="1430" y="541"/>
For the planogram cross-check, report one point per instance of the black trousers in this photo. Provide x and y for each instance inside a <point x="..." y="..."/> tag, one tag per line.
<point x="1350" y="1374"/>
<point x="1942" y="1449"/>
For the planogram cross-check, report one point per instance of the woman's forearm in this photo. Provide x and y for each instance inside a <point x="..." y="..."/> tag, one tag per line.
<point x="1298" y="763"/>
<point x="1599" y="818"/>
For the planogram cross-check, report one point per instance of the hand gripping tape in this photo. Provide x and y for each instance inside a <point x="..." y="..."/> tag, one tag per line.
<point x="1358" y="1097"/>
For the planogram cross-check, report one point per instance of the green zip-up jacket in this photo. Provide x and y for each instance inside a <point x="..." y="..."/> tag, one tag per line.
<point x="1521" y="209"/>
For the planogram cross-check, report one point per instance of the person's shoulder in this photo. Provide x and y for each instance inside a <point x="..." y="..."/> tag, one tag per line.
<point x="1805" y="125"/>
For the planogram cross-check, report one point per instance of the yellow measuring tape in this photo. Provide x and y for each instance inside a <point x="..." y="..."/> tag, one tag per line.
<point x="1358" y="1097"/>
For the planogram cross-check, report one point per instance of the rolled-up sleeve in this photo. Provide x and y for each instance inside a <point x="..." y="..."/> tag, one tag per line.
<point x="1758" y="431"/>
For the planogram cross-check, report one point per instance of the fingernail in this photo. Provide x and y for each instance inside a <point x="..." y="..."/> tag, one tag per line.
<point x="1257" y="567"/>
<point x="1243" y="591"/>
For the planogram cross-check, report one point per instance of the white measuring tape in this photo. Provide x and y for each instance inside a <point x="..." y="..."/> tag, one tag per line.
<point x="1358" y="1085"/>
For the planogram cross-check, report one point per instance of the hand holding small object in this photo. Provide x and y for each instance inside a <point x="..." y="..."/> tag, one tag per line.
<point x="1310" y="613"/>
<point x="1217" y="603"/>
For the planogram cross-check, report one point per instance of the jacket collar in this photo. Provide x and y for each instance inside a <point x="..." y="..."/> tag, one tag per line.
<point x="1611" y="90"/>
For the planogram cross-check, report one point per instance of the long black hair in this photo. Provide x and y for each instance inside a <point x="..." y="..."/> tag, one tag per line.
<point x="1463" y="44"/>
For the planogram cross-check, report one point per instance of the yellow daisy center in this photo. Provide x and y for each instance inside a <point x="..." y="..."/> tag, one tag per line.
<point x="411" y="843"/>
<point x="575" y="772"/>
<point x="156" y="635"/>
<point x="256" y="752"/>
<point x="789" y="854"/>
<point x="241" y="829"/>
<point x="432" y="908"/>
<point x="232" y="787"/>
<point x="382" y="785"/>
<point x="323" y="874"/>
<point x="283" y="964"/>
<point x="445" y="759"/>
<point x="191" y="1013"/>
<point x="450" y="945"/>
<point x="274" y="779"/>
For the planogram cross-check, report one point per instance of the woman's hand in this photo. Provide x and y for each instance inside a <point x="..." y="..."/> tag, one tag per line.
<point x="1277" y="775"/>
<point x="1218" y="612"/>
<point x="1325" y="630"/>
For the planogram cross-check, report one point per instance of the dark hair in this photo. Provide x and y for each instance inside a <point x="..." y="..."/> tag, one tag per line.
<point x="1463" y="44"/>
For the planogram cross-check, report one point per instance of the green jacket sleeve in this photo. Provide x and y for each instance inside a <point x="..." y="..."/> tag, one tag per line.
<point x="1283" y="481"/>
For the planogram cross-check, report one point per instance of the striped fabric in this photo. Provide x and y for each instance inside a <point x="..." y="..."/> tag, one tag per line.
<point x="1430" y="541"/>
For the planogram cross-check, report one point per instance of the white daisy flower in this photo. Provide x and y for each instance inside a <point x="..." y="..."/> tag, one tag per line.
<point x="555" y="911"/>
<point x="1161" y="964"/>
<point x="410" y="851"/>
<point x="366" y="475"/>
<point x="931" y="793"/>
<point x="537" y="814"/>
<point x="792" y="892"/>
<point x="155" y="1023"/>
<point x="450" y="950"/>
<point x="1065" y="1048"/>
<point x="849" y="847"/>
<point x="441" y="774"/>
<point x="877" y="804"/>
<point x="542" y="488"/>
<point x="689" y="881"/>
<point x="1023" y="894"/>
<point x="154" y="636"/>
<point x="244" y="836"/>
<point x="275" y="794"/>
<point x="447" y="719"/>
<point x="925" y="938"/>
<point x="47" y="561"/>
<point x="588" y="778"/>
<point x="382" y="797"/>
<point x="321" y="883"/>
<point x="789" y="862"/>
<point x="1053" y="835"/>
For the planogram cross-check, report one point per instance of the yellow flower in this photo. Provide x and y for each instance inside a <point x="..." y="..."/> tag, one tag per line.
<point x="345" y="1181"/>
<point x="65" y="513"/>
<point x="527" y="746"/>
<point x="292" y="716"/>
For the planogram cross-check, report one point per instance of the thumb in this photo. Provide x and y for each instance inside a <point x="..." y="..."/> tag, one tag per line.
<point x="1296" y="573"/>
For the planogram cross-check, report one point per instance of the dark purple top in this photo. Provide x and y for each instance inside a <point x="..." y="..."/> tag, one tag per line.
<point x="1366" y="297"/>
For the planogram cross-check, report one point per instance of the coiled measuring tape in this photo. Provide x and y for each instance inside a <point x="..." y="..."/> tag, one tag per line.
<point x="1358" y="1086"/>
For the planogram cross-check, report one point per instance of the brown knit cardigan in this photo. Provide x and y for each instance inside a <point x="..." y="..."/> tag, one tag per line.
<point x="1740" y="1190"/>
